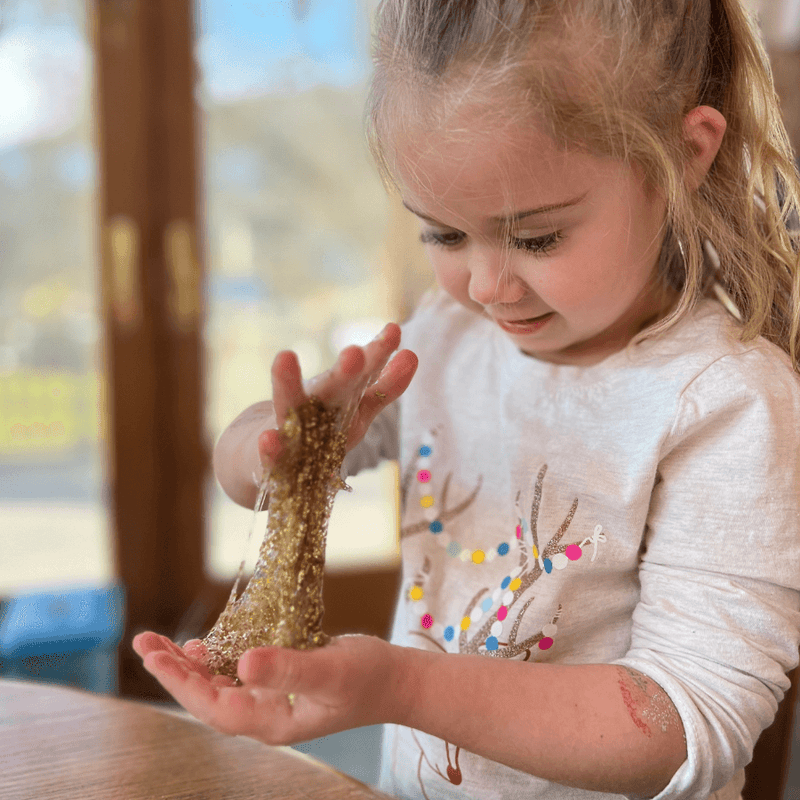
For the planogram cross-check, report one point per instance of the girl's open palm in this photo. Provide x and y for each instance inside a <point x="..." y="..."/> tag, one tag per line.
<point x="351" y="372"/>
<point x="290" y="696"/>
<point x="286" y="696"/>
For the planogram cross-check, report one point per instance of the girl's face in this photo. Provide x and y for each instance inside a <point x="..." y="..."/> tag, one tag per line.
<point x="557" y="249"/>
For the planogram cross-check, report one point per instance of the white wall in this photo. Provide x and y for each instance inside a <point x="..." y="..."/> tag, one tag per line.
<point x="780" y="21"/>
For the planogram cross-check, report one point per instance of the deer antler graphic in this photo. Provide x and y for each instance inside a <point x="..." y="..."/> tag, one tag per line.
<point x="444" y="514"/>
<point x="529" y="571"/>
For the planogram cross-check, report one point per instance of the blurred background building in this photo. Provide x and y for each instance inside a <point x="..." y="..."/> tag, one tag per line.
<point x="296" y="231"/>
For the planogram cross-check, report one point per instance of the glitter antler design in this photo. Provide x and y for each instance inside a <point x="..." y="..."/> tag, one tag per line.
<point x="446" y="514"/>
<point x="529" y="571"/>
<point x="515" y="586"/>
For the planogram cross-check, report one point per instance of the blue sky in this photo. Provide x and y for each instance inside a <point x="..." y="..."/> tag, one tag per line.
<point x="249" y="47"/>
<point x="245" y="48"/>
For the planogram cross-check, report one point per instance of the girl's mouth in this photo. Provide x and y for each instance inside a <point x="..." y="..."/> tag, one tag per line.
<point x="525" y="325"/>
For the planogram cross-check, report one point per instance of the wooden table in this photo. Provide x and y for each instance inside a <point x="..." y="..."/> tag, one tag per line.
<point x="66" y="744"/>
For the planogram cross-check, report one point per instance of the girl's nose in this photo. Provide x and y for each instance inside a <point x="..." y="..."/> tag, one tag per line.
<point x="492" y="279"/>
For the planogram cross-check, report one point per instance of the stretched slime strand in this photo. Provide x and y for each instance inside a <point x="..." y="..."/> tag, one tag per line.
<point x="282" y="604"/>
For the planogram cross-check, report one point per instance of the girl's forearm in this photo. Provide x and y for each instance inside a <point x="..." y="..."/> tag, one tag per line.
<point x="600" y="727"/>
<point x="236" y="457"/>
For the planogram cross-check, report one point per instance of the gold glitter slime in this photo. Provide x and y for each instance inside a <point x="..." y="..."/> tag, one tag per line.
<point x="282" y="604"/>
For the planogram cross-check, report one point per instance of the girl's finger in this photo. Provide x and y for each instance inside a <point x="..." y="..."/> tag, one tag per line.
<point x="393" y="381"/>
<point x="147" y="642"/>
<point x="168" y="669"/>
<point x="334" y="385"/>
<point x="150" y="642"/>
<point x="350" y="363"/>
<point x="375" y="354"/>
<point x="222" y="680"/>
<point x="354" y="369"/>
<point x="285" y="671"/>
<point x="269" y="447"/>
<point x="177" y="652"/>
<point x="287" y="384"/>
<point x="380" y="349"/>
<point x="196" y="650"/>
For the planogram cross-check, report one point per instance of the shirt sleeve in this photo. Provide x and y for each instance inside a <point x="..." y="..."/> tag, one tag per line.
<point x="380" y="442"/>
<point x="718" y="621"/>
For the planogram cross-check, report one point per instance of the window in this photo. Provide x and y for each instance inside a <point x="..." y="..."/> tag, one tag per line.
<point x="53" y="516"/>
<point x="296" y="225"/>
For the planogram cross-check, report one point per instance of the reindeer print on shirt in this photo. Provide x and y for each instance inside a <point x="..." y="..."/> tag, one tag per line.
<point x="489" y="623"/>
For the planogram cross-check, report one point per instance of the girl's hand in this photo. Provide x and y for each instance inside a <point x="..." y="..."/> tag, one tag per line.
<point x="287" y="696"/>
<point x="335" y="387"/>
<point x="251" y="444"/>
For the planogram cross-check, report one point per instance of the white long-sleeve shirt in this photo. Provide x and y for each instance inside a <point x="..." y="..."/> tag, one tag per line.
<point x="644" y="511"/>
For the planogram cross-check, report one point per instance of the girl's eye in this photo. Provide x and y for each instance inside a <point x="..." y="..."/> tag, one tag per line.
<point x="442" y="239"/>
<point x="539" y="244"/>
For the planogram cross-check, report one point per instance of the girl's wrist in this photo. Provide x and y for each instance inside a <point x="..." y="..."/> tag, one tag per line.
<point x="407" y="675"/>
<point x="237" y="462"/>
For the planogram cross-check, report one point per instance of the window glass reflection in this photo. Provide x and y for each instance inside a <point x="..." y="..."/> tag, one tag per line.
<point x="296" y="227"/>
<point x="52" y="512"/>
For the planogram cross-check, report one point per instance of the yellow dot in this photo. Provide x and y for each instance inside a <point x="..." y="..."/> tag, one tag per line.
<point x="465" y="623"/>
<point x="514" y="585"/>
<point x="535" y="552"/>
<point x="416" y="593"/>
<point x="426" y="501"/>
<point x="478" y="556"/>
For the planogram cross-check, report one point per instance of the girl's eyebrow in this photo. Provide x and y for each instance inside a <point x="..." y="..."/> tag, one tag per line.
<point x="511" y="218"/>
<point x="541" y="210"/>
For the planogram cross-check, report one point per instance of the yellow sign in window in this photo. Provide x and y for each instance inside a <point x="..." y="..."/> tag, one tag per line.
<point x="47" y="412"/>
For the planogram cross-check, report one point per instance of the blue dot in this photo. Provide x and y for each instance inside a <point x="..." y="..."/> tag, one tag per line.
<point x="425" y="451"/>
<point x="491" y="643"/>
<point x="487" y="604"/>
<point x="503" y="549"/>
<point x="449" y="633"/>
<point x="453" y="549"/>
<point x="435" y="526"/>
<point x="505" y="582"/>
<point x="548" y="566"/>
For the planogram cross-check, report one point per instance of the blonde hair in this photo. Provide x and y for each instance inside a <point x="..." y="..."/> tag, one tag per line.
<point x="616" y="78"/>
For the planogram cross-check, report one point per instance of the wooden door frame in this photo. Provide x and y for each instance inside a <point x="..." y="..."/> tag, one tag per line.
<point x="151" y="279"/>
<point x="152" y="273"/>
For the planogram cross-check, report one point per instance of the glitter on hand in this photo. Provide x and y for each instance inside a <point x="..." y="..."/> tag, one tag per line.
<point x="282" y="604"/>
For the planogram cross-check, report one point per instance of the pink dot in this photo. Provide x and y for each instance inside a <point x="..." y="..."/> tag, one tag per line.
<point x="502" y="613"/>
<point x="546" y="643"/>
<point x="423" y="476"/>
<point x="573" y="552"/>
<point x="519" y="532"/>
<point x="427" y="621"/>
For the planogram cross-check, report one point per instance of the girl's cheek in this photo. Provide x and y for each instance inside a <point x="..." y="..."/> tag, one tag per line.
<point x="450" y="275"/>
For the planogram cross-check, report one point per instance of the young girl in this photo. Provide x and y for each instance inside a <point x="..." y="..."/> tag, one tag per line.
<point x="599" y="449"/>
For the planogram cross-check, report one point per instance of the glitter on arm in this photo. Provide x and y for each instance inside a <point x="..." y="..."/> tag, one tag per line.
<point x="647" y="703"/>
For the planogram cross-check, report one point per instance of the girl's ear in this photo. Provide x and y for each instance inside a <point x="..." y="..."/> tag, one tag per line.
<point x="703" y="128"/>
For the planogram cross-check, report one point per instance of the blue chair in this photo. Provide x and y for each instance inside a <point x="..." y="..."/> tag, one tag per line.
<point x="67" y="636"/>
